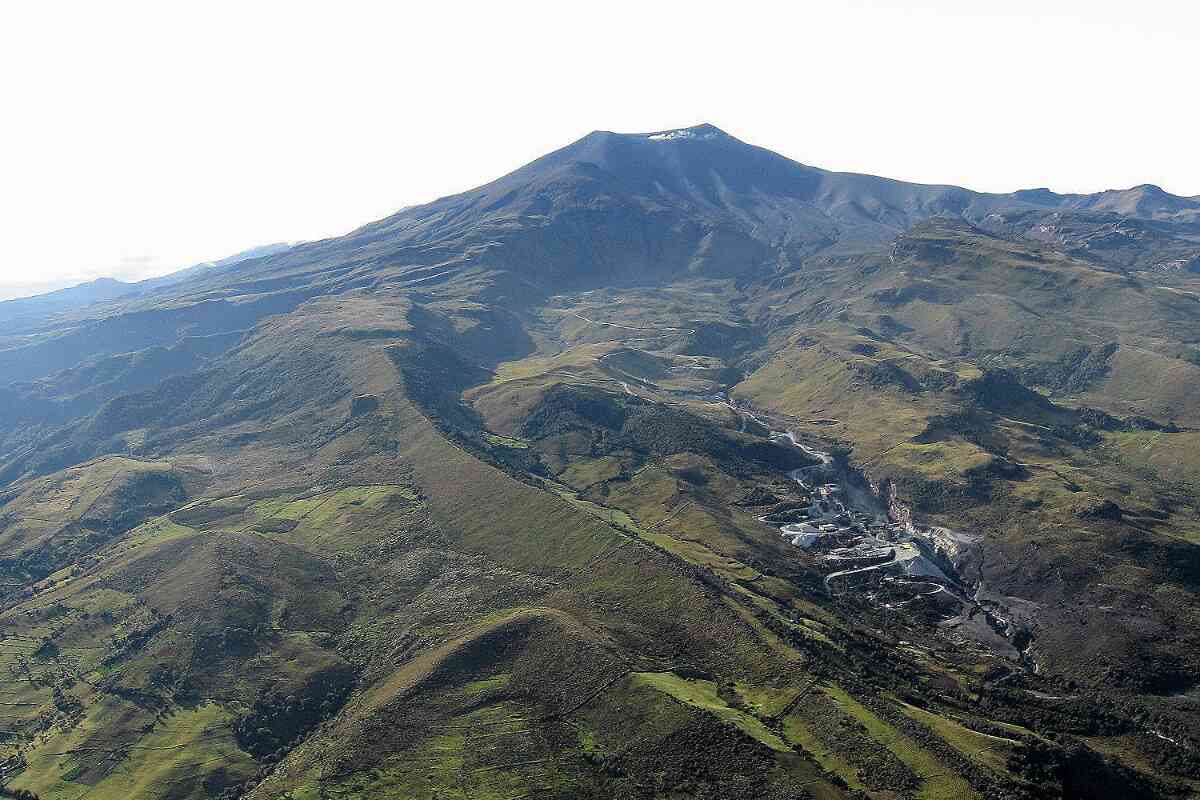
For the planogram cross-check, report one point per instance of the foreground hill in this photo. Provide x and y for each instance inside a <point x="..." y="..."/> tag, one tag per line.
<point x="485" y="499"/>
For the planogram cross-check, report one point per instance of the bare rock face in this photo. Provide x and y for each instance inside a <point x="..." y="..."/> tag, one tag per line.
<point x="363" y="404"/>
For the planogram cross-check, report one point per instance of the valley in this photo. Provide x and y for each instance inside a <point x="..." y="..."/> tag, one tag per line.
<point x="661" y="467"/>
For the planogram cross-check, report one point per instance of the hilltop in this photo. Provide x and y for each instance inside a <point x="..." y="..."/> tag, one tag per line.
<point x="661" y="466"/>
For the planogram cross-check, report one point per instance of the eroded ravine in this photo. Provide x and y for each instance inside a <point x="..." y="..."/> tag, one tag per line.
<point x="888" y="545"/>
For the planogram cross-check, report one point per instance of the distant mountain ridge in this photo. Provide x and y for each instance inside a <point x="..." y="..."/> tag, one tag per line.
<point x="498" y="497"/>
<point x="70" y="296"/>
<point x="104" y="289"/>
<point x="676" y="200"/>
<point x="703" y="172"/>
<point x="617" y="209"/>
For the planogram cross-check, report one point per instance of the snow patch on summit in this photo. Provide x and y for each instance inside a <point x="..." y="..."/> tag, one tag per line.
<point x="682" y="133"/>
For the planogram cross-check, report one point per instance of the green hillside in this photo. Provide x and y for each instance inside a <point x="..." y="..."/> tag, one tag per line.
<point x="659" y="468"/>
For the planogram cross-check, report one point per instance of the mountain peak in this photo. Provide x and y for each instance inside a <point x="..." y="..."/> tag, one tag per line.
<point x="1039" y="196"/>
<point x="1146" y="200"/>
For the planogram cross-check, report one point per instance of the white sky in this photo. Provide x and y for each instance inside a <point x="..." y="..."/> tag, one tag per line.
<point x="138" y="138"/>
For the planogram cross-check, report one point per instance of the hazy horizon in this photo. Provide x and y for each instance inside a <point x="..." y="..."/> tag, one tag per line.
<point x="152" y="139"/>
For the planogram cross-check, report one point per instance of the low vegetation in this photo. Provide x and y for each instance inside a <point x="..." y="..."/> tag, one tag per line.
<point x="484" y="501"/>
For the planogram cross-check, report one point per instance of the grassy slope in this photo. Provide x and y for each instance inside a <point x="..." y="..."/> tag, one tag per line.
<point x="464" y="595"/>
<point x="638" y="602"/>
<point x="693" y="522"/>
<point x="828" y="384"/>
<point x="916" y="315"/>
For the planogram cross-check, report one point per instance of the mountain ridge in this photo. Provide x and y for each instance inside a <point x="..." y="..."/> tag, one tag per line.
<point x="826" y="189"/>
<point x="661" y="466"/>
